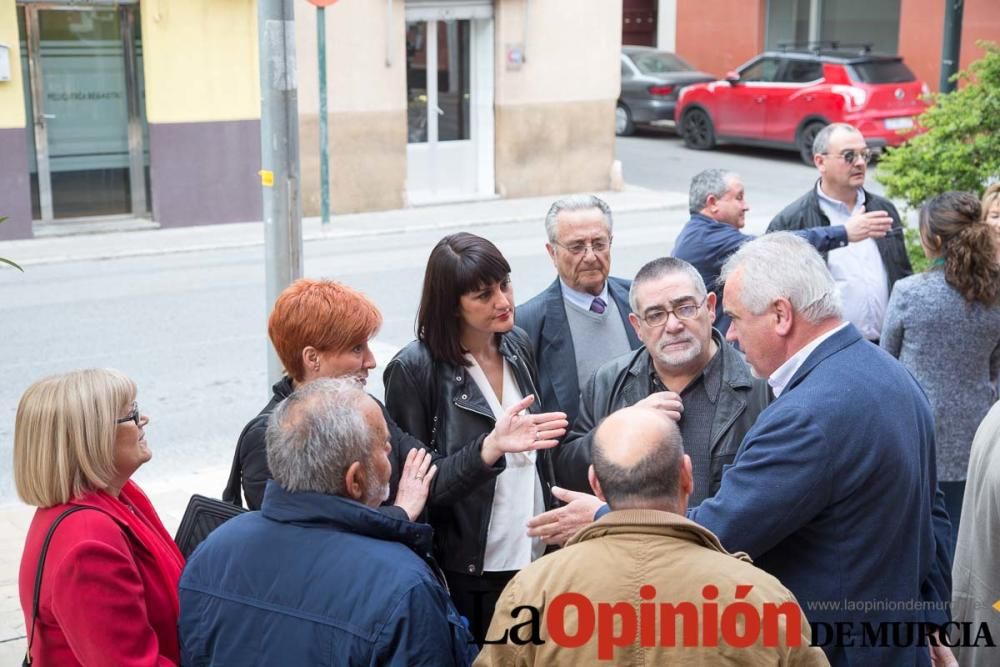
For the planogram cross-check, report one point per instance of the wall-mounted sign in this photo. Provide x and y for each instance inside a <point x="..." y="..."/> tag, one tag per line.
<point x="4" y="62"/>
<point x="515" y="56"/>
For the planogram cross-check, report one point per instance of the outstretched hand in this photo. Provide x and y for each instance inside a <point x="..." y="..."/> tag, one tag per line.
<point x="415" y="482"/>
<point x="558" y="525"/>
<point x="867" y="225"/>
<point x="516" y="432"/>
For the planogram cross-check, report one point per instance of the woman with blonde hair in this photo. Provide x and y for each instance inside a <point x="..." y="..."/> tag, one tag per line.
<point x="944" y="325"/>
<point x="99" y="572"/>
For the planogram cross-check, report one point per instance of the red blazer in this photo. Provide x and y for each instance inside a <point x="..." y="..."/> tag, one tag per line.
<point x="109" y="587"/>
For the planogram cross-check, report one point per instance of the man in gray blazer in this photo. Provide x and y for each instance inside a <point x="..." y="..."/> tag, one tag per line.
<point x="581" y="320"/>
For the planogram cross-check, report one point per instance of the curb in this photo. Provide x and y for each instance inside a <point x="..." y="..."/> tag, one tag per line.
<point x="311" y="236"/>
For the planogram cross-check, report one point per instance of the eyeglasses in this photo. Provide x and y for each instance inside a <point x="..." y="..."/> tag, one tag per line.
<point x="133" y="416"/>
<point x="658" y="317"/>
<point x="598" y="246"/>
<point x="849" y="156"/>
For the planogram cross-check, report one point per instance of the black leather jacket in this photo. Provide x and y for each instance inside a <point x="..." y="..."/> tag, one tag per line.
<point x="625" y="381"/>
<point x="804" y="213"/>
<point x="440" y="404"/>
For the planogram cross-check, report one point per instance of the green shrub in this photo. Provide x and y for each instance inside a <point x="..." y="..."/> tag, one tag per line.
<point x="961" y="148"/>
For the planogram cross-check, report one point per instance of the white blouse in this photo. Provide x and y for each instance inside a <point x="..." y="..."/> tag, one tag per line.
<point x="518" y="493"/>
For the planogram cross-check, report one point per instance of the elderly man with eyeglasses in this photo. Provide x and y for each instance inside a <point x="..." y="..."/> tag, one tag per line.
<point x="866" y="271"/>
<point x="684" y="369"/>
<point x="581" y="320"/>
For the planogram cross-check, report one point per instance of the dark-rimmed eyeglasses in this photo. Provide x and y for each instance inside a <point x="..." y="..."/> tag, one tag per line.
<point x="596" y="246"/>
<point x="850" y="156"/>
<point x="133" y="416"/>
<point x="686" y="311"/>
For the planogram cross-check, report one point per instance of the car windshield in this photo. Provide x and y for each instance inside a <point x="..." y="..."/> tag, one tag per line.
<point x="882" y="71"/>
<point x="658" y="62"/>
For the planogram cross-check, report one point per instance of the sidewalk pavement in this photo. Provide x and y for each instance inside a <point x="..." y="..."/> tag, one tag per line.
<point x="465" y="215"/>
<point x="170" y="496"/>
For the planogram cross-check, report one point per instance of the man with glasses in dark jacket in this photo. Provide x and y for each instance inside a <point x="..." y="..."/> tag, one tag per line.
<point x="685" y="369"/>
<point x="864" y="272"/>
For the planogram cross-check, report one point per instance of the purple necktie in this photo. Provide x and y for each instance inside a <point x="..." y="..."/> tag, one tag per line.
<point x="598" y="305"/>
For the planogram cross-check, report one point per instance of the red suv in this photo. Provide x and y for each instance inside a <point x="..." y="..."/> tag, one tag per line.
<point x="783" y="98"/>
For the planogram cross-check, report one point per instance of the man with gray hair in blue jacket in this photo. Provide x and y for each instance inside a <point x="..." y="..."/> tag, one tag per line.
<point x="318" y="576"/>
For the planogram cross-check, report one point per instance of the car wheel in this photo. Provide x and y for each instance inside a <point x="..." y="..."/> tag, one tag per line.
<point x="697" y="130"/>
<point x="806" y="138"/>
<point x="623" y="121"/>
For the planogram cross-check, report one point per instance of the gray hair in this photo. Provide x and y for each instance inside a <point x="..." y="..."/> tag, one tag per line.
<point x="656" y="475"/>
<point x="784" y="265"/>
<point x="575" y="203"/>
<point x="709" y="182"/>
<point x="821" y="144"/>
<point x="660" y="267"/>
<point x="314" y="436"/>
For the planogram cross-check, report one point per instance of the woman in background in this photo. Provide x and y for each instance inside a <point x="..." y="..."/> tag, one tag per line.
<point x="109" y="590"/>
<point x="469" y="381"/>
<point x="944" y="325"/>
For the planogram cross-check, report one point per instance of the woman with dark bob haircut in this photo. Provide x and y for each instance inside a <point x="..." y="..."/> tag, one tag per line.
<point x="944" y="325"/>
<point x="469" y="381"/>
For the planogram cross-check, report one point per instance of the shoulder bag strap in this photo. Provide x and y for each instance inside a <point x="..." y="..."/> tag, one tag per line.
<point x="38" y="574"/>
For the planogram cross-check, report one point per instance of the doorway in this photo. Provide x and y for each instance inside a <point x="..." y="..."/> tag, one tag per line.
<point x="87" y="133"/>
<point x="449" y="92"/>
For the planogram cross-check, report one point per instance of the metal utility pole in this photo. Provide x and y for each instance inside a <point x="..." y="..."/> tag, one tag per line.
<point x="279" y="142"/>
<point x="952" y="48"/>
<point x="324" y="135"/>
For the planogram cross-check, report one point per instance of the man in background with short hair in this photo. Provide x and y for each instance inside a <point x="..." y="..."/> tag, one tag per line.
<point x="581" y="320"/>
<point x="865" y="272"/>
<point x="718" y="212"/>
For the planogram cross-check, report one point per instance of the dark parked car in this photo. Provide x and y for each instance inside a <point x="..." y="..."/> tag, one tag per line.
<point x="651" y="80"/>
<point x="783" y="98"/>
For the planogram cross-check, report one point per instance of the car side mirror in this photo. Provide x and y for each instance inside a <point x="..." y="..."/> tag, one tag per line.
<point x="733" y="77"/>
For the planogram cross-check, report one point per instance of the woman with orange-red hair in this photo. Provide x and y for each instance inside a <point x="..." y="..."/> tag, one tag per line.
<point x="321" y="329"/>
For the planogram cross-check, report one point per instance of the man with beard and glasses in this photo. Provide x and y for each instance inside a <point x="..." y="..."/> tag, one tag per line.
<point x="865" y="271"/>
<point x="318" y="576"/>
<point x="684" y="369"/>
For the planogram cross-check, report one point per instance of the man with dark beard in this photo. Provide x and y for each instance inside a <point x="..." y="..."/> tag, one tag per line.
<point x="684" y="369"/>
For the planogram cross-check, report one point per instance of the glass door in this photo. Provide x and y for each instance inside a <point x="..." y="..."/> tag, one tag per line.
<point x="85" y="101"/>
<point x="449" y="108"/>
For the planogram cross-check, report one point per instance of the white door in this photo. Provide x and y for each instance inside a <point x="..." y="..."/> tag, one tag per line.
<point x="449" y="86"/>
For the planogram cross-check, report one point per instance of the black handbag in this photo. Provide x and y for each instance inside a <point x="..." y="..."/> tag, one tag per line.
<point x="38" y="575"/>
<point x="202" y="516"/>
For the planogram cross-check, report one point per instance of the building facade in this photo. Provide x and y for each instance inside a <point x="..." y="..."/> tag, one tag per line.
<point x="718" y="36"/>
<point x="146" y="113"/>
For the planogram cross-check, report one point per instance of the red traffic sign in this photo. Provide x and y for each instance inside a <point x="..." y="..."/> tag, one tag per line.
<point x="321" y="3"/>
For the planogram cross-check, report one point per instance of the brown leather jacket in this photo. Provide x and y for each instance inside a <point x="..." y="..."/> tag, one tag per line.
<point x="614" y="558"/>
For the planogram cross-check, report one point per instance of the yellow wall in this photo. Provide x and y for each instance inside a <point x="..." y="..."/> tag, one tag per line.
<point x="200" y="60"/>
<point x="357" y="77"/>
<point x="571" y="53"/>
<point x="11" y="92"/>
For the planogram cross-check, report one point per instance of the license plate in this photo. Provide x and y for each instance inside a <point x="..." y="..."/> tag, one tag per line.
<point x="898" y="123"/>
